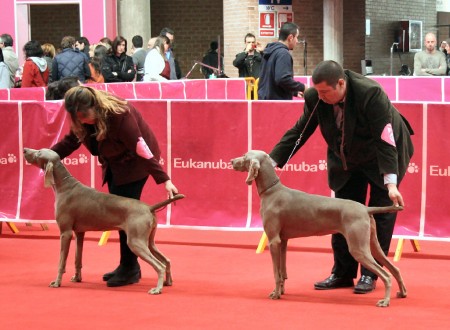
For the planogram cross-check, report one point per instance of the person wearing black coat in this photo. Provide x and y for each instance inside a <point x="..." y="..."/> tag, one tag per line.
<point x="248" y="62"/>
<point x="118" y="66"/>
<point x="369" y="146"/>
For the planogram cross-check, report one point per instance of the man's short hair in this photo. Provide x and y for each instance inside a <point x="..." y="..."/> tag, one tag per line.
<point x="214" y="45"/>
<point x="329" y="72"/>
<point x="287" y="29"/>
<point x="137" y="41"/>
<point x="83" y="40"/>
<point x="7" y="40"/>
<point x="249" y="35"/>
<point x="67" y="42"/>
<point x="166" y="30"/>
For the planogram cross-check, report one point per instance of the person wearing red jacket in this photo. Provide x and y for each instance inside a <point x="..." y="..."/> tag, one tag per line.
<point x="112" y="129"/>
<point x="35" y="70"/>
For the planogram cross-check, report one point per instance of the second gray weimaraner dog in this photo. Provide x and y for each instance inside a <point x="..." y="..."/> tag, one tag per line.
<point x="287" y="213"/>
<point x="79" y="208"/>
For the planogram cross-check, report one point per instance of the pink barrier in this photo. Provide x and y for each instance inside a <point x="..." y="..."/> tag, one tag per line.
<point x="27" y="94"/>
<point x="124" y="90"/>
<point x="4" y="94"/>
<point x="420" y="89"/>
<point x="198" y="139"/>
<point x="398" y="88"/>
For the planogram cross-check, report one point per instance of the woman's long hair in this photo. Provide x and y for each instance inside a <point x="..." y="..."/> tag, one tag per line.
<point x="159" y="45"/>
<point x="83" y="98"/>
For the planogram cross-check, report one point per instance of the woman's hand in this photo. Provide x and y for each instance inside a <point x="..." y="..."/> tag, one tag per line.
<point x="170" y="188"/>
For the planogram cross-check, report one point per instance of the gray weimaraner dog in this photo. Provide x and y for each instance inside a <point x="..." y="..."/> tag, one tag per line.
<point x="287" y="213"/>
<point x="79" y="208"/>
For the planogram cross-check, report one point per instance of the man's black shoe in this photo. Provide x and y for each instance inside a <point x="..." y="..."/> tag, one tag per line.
<point x="334" y="282"/>
<point x="122" y="278"/>
<point x="365" y="284"/>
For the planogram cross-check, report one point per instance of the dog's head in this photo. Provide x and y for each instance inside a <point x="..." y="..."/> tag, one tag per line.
<point x="250" y="163"/>
<point x="44" y="159"/>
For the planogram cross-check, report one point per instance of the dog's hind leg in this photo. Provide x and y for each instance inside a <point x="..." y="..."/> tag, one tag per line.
<point x="78" y="257"/>
<point x="154" y="250"/>
<point x="275" y="252"/>
<point x="359" y="248"/>
<point x="378" y="254"/>
<point x="138" y="243"/>
<point x="65" y="238"/>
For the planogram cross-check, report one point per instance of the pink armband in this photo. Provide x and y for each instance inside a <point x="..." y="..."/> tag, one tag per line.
<point x="143" y="150"/>
<point x="388" y="135"/>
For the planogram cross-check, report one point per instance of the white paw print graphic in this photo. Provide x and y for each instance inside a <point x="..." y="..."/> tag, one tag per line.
<point x="12" y="158"/>
<point x="82" y="159"/>
<point x="161" y="162"/>
<point x="322" y="165"/>
<point x="413" y="168"/>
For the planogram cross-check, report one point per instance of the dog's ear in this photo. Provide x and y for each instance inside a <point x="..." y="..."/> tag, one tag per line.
<point x="48" y="175"/>
<point x="252" y="171"/>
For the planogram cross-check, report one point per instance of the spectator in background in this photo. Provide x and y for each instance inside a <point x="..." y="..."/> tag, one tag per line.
<point x="157" y="67"/>
<point x="70" y="62"/>
<point x="49" y="55"/>
<point x="248" y="62"/>
<point x="447" y="56"/>
<point x="96" y="63"/>
<point x="151" y="43"/>
<point x="105" y="41"/>
<point x="276" y="79"/>
<point x="211" y="58"/>
<point x="443" y="47"/>
<point x="430" y="62"/>
<point x="138" y="56"/>
<point x="57" y="89"/>
<point x="82" y="44"/>
<point x="9" y="57"/>
<point x="118" y="66"/>
<point x="35" y="71"/>
<point x="175" y="71"/>
<point x="4" y="72"/>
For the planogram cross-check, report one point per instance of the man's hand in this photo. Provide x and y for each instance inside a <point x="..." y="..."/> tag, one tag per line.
<point x="395" y="195"/>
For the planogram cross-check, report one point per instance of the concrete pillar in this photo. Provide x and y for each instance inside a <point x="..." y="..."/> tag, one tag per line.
<point x="333" y="30"/>
<point x="134" y="19"/>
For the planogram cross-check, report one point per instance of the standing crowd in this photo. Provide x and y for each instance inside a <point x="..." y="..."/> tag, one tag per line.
<point x="104" y="62"/>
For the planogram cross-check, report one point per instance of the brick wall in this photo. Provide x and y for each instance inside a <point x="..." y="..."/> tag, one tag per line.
<point x="52" y="23"/>
<point x="385" y="17"/>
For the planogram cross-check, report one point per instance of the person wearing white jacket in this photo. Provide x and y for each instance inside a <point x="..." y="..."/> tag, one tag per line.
<point x="156" y="66"/>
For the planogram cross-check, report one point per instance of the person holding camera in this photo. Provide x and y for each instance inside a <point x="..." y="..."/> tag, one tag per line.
<point x="248" y="62"/>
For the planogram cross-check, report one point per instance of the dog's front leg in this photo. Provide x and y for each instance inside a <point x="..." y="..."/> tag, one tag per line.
<point x="78" y="258"/>
<point x="65" y="238"/>
<point x="275" y="252"/>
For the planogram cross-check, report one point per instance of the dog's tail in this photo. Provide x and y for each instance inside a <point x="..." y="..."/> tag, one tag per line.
<point x="384" y="209"/>
<point x="166" y="202"/>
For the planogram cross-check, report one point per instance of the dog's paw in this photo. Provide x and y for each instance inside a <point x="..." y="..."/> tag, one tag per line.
<point x="274" y="295"/>
<point x="401" y="294"/>
<point x="76" y="278"/>
<point x="155" y="291"/>
<point x="54" y="284"/>
<point x="383" y="303"/>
